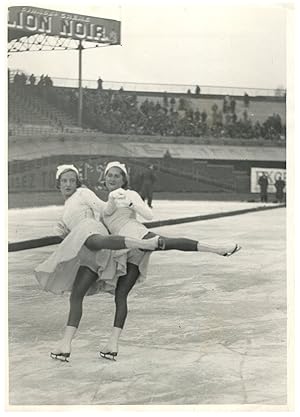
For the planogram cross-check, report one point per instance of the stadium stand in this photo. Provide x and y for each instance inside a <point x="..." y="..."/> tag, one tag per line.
<point x="203" y="143"/>
<point x="133" y="113"/>
<point x="29" y="111"/>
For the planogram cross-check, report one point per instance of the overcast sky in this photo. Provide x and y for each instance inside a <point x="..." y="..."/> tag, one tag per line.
<point x="186" y="43"/>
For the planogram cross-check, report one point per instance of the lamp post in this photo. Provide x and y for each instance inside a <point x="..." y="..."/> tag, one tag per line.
<point x="80" y="48"/>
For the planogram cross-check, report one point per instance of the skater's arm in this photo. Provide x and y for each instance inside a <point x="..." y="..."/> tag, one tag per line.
<point x="61" y="230"/>
<point x="92" y="201"/>
<point x="138" y="205"/>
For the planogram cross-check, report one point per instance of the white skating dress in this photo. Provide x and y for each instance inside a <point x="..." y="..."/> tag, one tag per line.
<point x="57" y="273"/>
<point x="120" y="217"/>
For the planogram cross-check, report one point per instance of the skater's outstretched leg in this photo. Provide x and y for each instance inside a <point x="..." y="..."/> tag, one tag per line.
<point x="189" y="245"/>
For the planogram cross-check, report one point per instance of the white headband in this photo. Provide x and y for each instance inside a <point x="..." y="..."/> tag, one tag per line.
<point x="63" y="168"/>
<point x="116" y="164"/>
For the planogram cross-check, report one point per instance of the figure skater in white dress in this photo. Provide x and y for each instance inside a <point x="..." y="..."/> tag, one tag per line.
<point x="88" y="260"/>
<point x="120" y="217"/>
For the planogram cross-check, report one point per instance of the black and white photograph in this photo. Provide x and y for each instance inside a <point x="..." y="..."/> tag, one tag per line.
<point x="150" y="199"/>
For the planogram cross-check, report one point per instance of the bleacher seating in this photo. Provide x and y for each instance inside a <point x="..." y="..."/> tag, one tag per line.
<point x="29" y="112"/>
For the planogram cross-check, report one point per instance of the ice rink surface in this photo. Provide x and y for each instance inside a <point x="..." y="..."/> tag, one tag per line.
<point x="202" y="330"/>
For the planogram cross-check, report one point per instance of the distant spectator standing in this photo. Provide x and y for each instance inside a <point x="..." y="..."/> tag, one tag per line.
<point x="263" y="183"/>
<point x="148" y="179"/>
<point x="32" y="79"/>
<point x="167" y="156"/>
<point x="226" y="104"/>
<point x="41" y="81"/>
<point x="214" y="109"/>
<point x="203" y="116"/>
<point x="245" y="115"/>
<point x="23" y="78"/>
<point x="197" y="90"/>
<point x="172" y="103"/>
<point x="246" y="100"/>
<point x="47" y="82"/>
<point x="16" y="78"/>
<point x="100" y="83"/>
<point x="181" y="105"/>
<point x="279" y="185"/>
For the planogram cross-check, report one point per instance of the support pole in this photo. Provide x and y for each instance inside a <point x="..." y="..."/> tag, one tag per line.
<point x="80" y="48"/>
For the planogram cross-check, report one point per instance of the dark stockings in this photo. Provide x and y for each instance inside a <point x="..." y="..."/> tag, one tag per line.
<point x="177" y="243"/>
<point x="84" y="279"/>
<point x="180" y="243"/>
<point x="123" y="288"/>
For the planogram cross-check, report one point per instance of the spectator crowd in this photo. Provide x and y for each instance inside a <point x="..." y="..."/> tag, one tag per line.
<point x="120" y="112"/>
<point x="21" y="79"/>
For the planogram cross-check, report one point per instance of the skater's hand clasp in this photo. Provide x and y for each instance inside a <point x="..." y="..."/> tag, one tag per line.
<point x="123" y="202"/>
<point x="119" y="193"/>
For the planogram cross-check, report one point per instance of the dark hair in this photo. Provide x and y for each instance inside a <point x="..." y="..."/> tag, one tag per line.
<point x="78" y="182"/>
<point x="125" y="179"/>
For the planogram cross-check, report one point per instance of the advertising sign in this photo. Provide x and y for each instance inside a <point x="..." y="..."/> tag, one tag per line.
<point x="272" y="174"/>
<point x="27" y="21"/>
